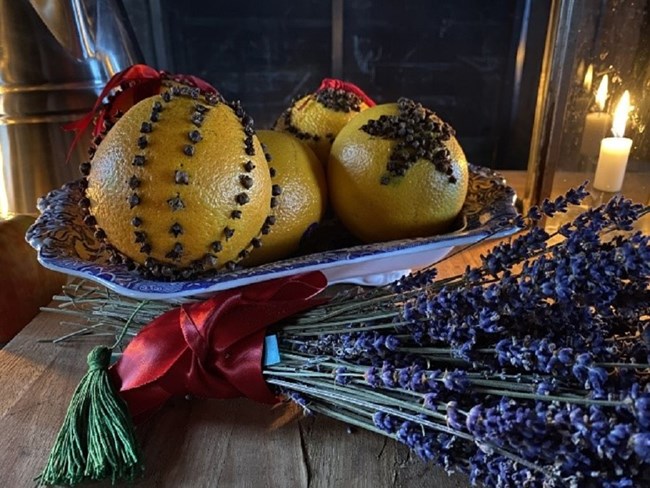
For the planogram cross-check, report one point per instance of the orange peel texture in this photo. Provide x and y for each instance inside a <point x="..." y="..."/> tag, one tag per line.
<point x="317" y="118"/>
<point x="302" y="201"/>
<point x="180" y="185"/>
<point x="396" y="171"/>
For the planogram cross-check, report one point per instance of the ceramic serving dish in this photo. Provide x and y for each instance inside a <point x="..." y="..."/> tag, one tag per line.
<point x="65" y="244"/>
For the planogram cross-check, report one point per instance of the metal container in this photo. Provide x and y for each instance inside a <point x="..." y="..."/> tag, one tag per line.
<point x="55" y="57"/>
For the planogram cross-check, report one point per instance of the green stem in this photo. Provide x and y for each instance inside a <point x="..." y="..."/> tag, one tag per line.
<point x="390" y="325"/>
<point x="549" y="398"/>
<point x="624" y="365"/>
<point x="502" y="384"/>
<point x="335" y="396"/>
<point x="372" y="395"/>
<point x="439" y="350"/>
<point x="128" y="323"/>
<point x="336" y="399"/>
<point x="348" y="419"/>
<point x="352" y="320"/>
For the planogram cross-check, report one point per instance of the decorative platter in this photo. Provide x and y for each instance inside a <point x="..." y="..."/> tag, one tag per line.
<point x="64" y="243"/>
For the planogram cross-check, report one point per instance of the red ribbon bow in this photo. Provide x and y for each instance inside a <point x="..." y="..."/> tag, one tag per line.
<point x="346" y="86"/>
<point x="213" y="348"/>
<point x="140" y="81"/>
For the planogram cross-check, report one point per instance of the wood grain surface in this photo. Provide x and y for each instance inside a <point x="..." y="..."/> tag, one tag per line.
<point x="200" y="443"/>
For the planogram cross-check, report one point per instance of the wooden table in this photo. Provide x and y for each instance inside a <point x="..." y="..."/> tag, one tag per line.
<point x="197" y="443"/>
<point x="201" y="443"/>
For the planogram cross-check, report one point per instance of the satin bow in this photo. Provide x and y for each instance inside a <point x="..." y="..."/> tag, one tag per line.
<point x="139" y="81"/>
<point x="213" y="348"/>
<point x="346" y="86"/>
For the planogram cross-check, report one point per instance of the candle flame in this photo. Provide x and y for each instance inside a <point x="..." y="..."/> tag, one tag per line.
<point x="620" y="115"/>
<point x="589" y="78"/>
<point x="601" y="93"/>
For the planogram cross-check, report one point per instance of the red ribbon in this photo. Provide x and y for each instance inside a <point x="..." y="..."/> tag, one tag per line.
<point x="349" y="87"/>
<point x="213" y="348"/>
<point x="139" y="80"/>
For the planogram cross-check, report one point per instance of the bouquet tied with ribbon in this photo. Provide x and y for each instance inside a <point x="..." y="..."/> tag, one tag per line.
<point x="531" y="369"/>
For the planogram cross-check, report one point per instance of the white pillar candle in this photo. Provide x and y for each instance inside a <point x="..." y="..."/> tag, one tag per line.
<point x="612" y="161"/>
<point x="596" y="127"/>
<point x="614" y="151"/>
<point x="597" y="123"/>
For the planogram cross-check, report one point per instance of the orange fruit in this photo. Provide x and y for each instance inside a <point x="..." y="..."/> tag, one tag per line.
<point x="134" y="88"/>
<point x="317" y="118"/>
<point x="397" y="171"/>
<point x="179" y="185"/>
<point x="303" y="200"/>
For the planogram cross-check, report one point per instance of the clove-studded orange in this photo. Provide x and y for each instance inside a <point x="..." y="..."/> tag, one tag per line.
<point x="301" y="198"/>
<point x="179" y="185"/>
<point x="317" y="118"/>
<point x="397" y="171"/>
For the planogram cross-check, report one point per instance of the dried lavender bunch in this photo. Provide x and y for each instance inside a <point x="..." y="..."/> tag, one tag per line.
<point x="532" y="369"/>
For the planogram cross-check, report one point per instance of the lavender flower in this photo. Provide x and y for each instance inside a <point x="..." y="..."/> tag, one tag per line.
<point x="642" y="410"/>
<point x="641" y="445"/>
<point x="455" y="380"/>
<point x="528" y="370"/>
<point x="341" y="377"/>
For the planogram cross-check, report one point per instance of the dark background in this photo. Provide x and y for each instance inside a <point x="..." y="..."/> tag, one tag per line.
<point x="475" y="63"/>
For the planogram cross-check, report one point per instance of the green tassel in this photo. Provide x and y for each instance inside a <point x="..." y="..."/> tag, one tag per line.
<point x="97" y="439"/>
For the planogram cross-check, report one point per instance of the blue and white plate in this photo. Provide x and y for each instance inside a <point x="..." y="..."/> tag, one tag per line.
<point x="66" y="244"/>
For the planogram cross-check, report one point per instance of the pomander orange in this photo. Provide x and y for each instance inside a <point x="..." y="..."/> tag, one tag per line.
<point x="128" y="87"/>
<point x="303" y="199"/>
<point x="397" y="171"/>
<point x="317" y="118"/>
<point x="180" y="185"/>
